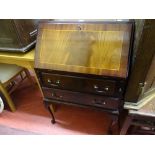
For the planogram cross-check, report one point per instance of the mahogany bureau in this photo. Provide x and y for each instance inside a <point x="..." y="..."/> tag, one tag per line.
<point x="84" y="64"/>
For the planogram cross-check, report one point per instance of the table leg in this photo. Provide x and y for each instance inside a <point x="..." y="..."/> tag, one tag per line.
<point x="37" y="81"/>
<point x="29" y="76"/>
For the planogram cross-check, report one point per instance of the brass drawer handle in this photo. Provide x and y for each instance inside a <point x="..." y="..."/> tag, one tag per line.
<point x="101" y="91"/>
<point x="101" y="102"/>
<point x="106" y="88"/>
<point x="56" y="84"/>
<point x="56" y="96"/>
<point x="48" y="80"/>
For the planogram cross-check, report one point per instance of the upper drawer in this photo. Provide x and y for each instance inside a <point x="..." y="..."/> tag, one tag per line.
<point x="103" y="87"/>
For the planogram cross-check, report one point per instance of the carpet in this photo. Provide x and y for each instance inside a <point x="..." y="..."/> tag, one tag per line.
<point x="31" y="116"/>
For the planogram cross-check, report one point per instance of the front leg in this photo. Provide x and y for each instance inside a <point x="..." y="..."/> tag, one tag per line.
<point x="52" y="114"/>
<point x="51" y="110"/>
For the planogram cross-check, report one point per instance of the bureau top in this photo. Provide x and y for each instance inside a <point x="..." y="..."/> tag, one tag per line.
<point x="90" y="48"/>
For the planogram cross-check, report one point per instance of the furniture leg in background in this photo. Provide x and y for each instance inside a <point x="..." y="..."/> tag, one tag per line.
<point x="126" y="125"/>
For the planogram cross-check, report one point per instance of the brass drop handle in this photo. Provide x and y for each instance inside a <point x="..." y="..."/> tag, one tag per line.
<point x="48" y="80"/>
<point x="56" y="84"/>
<point x="103" y="103"/>
<point x="100" y="91"/>
<point x="54" y="95"/>
<point x="106" y="88"/>
<point x="99" y="102"/>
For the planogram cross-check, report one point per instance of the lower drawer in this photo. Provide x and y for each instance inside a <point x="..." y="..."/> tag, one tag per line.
<point x="81" y="98"/>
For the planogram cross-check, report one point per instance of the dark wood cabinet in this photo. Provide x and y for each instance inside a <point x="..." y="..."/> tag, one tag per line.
<point x="18" y="34"/>
<point x="84" y="63"/>
<point x="142" y="72"/>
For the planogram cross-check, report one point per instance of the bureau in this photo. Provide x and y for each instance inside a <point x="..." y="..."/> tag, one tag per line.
<point x="84" y="64"/>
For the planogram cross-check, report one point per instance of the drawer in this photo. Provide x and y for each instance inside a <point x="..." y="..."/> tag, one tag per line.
<point x="80" y="84"/>
<point x="81" y="98"/>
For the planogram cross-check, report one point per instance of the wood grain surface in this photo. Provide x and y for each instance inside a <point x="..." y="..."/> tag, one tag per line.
<point x="100" y="49"/>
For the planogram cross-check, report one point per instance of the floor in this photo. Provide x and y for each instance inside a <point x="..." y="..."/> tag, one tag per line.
<point x="31" y="117"/>
<point x="4" y="130"/>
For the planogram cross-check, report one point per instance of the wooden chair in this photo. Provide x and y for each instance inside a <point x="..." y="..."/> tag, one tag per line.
<point x="8" y="83"/>
<point x="142" y="120"/>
